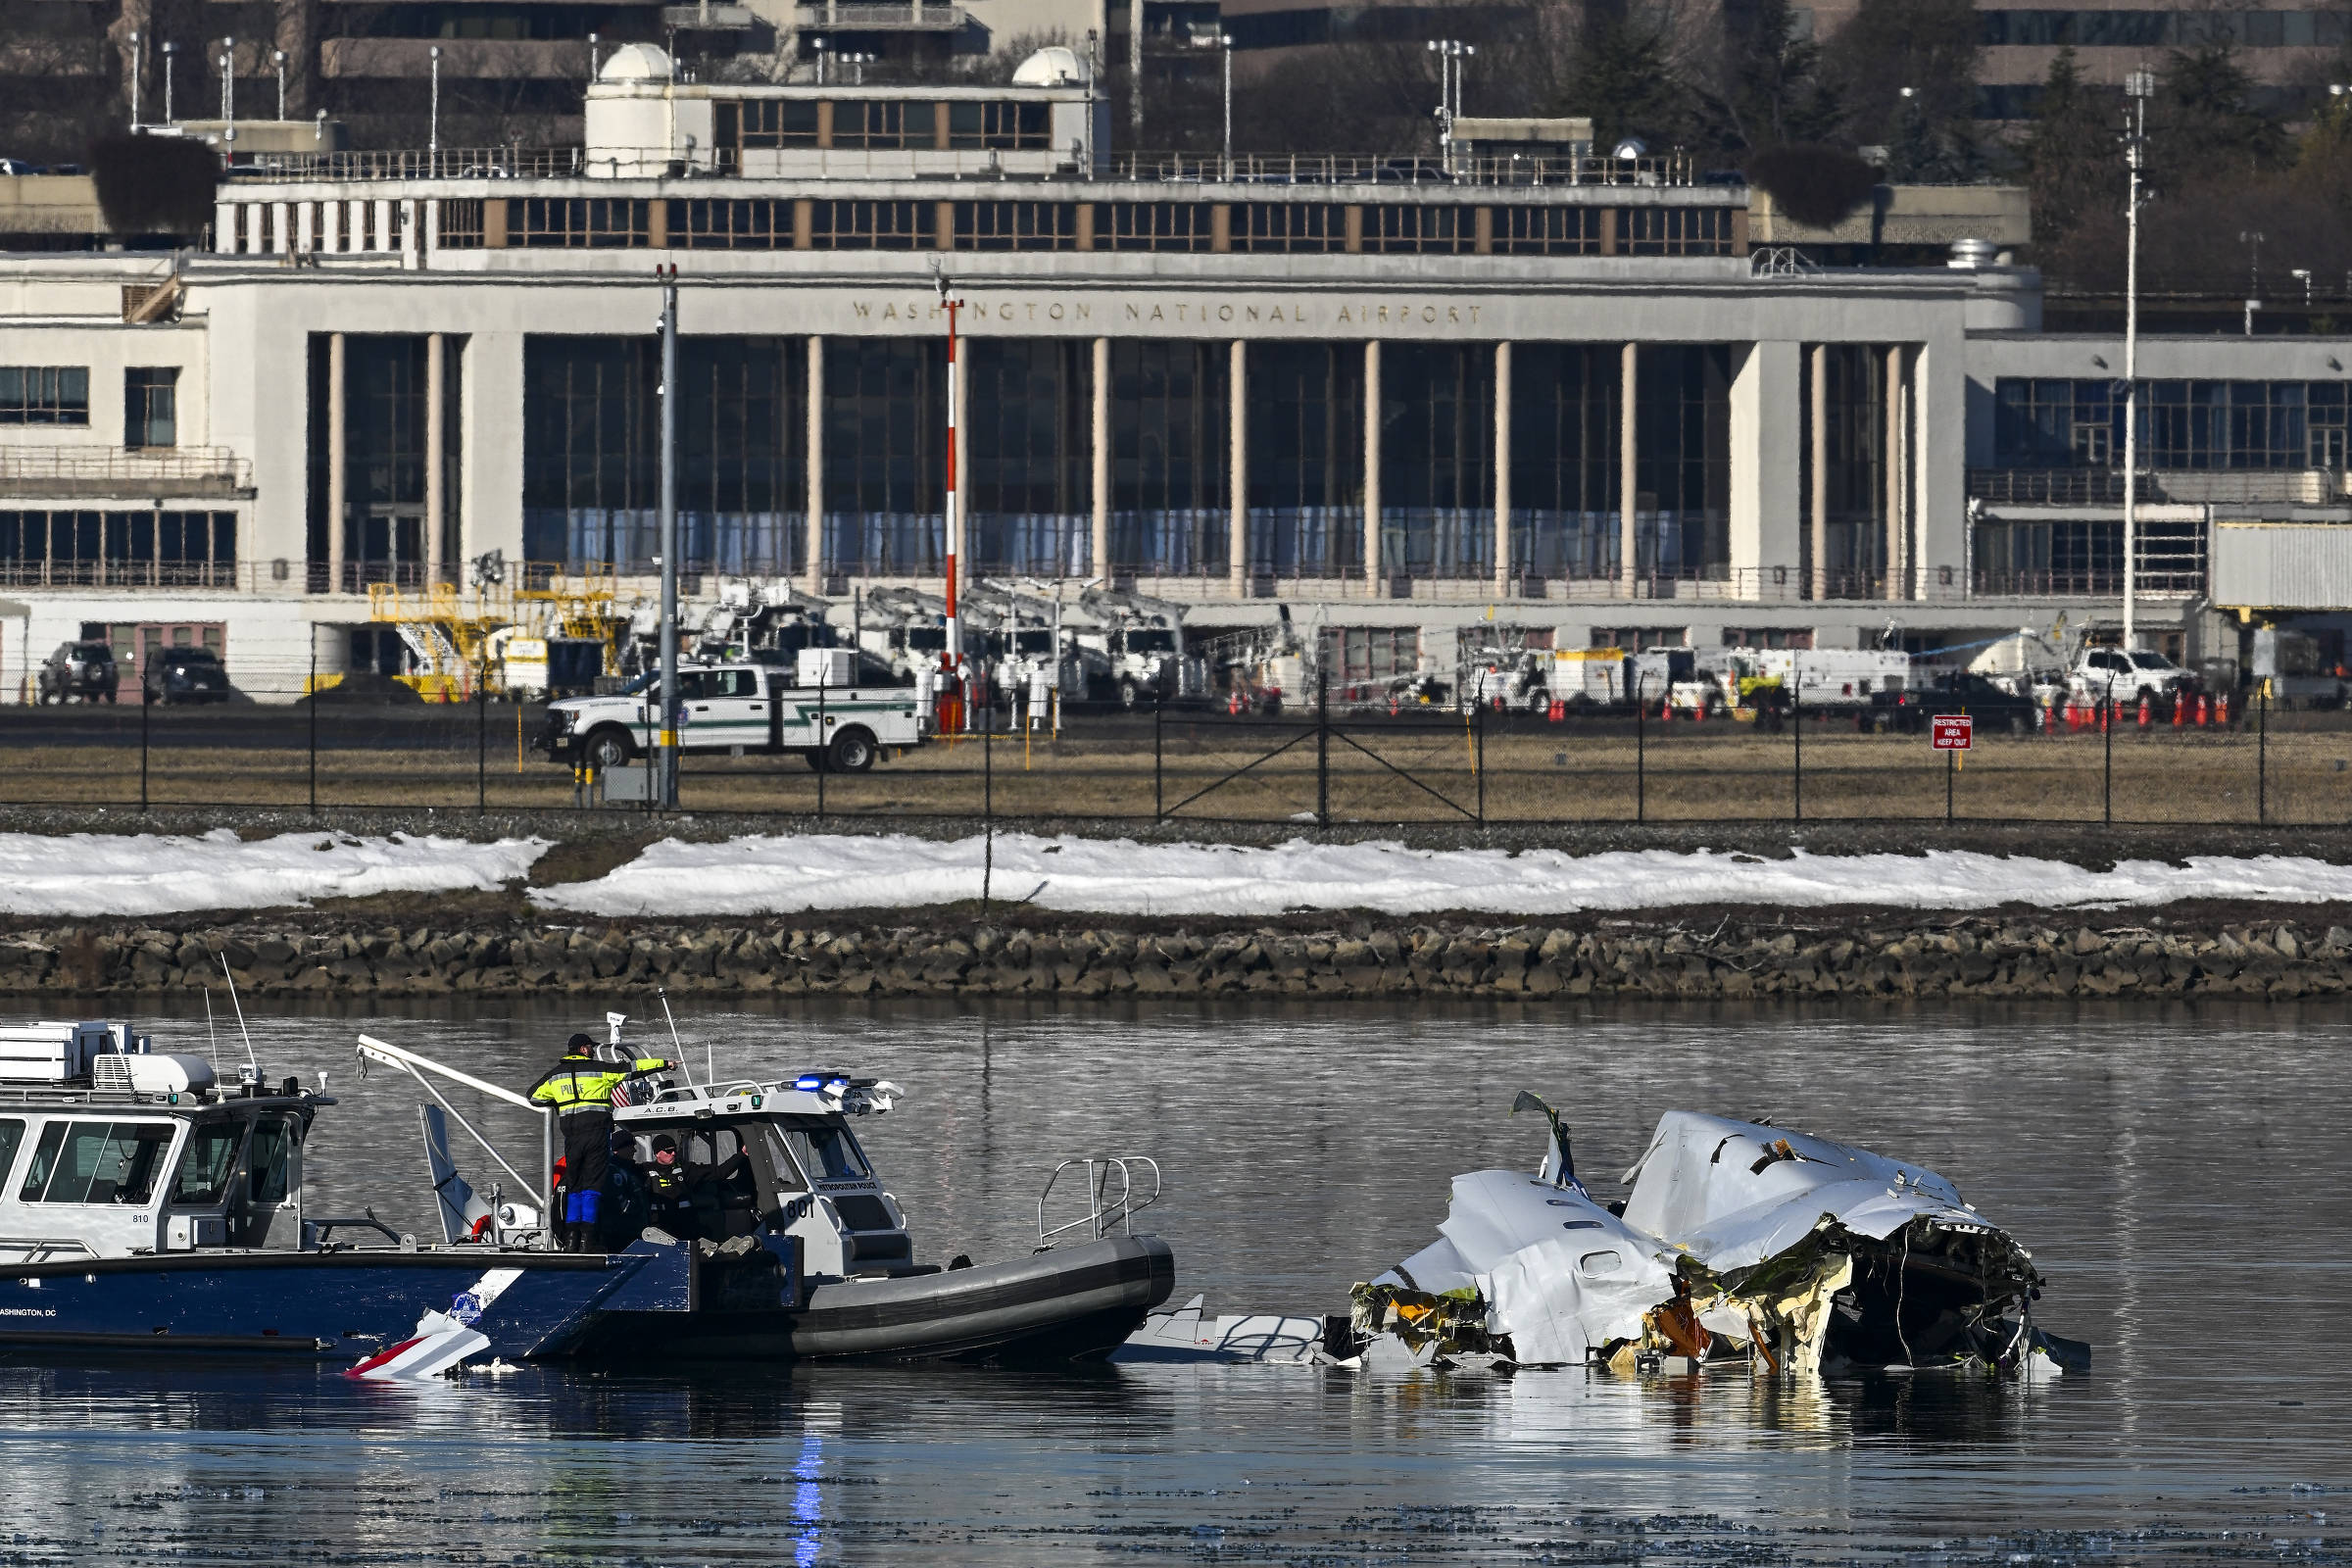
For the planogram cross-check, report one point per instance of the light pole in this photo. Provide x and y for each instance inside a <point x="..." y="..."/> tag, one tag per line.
<point x="1450" y="53"/>
<point x="2252" y="239"/>
<point x="2138" y="86"/>
<point x="168" y="50"/>
<point x="954" y="650"/>
<point x="667" y="726"/>
<point x="820" y="62"/>
<point x="280" y="56"/>
<point x="228" y="90"/>
<point x="432" y="144"/>
<point x="857" y="62"/>
<point x="592" y="57"/>
<point x="1225" y="43"/>
<point x="136" y="62"/>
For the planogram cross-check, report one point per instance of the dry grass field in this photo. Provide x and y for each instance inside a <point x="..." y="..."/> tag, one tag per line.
<point x="1373" y="772"/>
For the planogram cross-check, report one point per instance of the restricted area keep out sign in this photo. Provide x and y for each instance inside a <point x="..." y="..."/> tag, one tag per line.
<point x="1952" y="732"/>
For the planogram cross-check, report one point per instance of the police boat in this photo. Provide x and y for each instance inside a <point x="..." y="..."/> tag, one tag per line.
<point x="753" y="1225"/>
<point x="149" y="1206"/>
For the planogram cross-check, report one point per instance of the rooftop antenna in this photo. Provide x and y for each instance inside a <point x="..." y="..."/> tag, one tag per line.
<point x="240" y="1007"/>
<point x="709" y="1050"/>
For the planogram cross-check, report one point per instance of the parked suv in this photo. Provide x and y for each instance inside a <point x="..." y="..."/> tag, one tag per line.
<point x="78" y="671"/>
<point x="1953" y="692"/>
<point x="187" y="675"/>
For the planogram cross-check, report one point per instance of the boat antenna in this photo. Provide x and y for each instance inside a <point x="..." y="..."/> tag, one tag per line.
<point x="210" y="1033"/>
<point x="710" y="1052"/>
<point x="240" y="1007"/>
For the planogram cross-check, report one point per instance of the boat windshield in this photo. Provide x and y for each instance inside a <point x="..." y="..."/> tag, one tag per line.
<point x="96" y="1163"/>
<point x="204" y="1170"/>
<point x="826" y="1152"/>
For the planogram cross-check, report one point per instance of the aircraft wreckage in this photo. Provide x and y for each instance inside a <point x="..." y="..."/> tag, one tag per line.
<point x="1737" y="1241"/>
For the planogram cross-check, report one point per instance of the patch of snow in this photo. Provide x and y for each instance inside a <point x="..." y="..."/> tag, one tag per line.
<point x="771" y="875"/>
<point x="147" y="873"/>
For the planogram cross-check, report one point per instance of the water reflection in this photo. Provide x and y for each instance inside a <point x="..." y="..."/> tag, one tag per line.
<point x="2184" y="1206"/>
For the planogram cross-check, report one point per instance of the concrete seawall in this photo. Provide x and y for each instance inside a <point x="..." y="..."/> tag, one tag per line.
<point x="1734" y="957"/>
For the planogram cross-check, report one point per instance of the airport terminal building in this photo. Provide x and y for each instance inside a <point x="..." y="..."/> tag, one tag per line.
<point x="1586" y="399"/>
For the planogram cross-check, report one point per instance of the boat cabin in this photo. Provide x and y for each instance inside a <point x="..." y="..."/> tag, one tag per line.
<point x="786" y="1161"/>
<point x="108" y="1149"/>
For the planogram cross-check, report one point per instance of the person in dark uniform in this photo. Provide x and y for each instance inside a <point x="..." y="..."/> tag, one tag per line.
<point x="581" y="1089"/>
<point x="672" y="1184"/>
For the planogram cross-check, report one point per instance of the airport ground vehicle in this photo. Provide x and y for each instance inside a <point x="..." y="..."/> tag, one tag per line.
<point x="737" y="707"/>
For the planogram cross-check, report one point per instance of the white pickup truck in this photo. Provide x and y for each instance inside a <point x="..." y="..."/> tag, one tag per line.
<point x="742" y="707"/>
<point x="2128" y="675"/>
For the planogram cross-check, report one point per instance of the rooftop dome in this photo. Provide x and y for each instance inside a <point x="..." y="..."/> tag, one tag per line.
<point x="636" y="62"/>
<point x="1054" y="67"/>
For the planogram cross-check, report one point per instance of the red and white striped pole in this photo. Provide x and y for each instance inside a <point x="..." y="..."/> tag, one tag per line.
<point x="952" y="654"/>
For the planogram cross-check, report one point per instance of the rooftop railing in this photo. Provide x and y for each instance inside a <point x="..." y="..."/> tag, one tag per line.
<point x="1138" y="168"/>
<point x="116" y="473"/>
<point x="2104" y="487"/>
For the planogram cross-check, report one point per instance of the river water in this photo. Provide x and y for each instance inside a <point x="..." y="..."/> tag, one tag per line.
<point x="2178" y="1174"/>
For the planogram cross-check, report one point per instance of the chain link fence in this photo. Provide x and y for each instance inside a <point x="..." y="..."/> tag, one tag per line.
<point x="1334" y="763"/>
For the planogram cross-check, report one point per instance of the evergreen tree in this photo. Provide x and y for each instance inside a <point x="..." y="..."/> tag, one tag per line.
<point x="1767" y="91"/>
<point x="1622" y="80"/>
<point x="2072" y="156"/>
<point x="2204" y="121"/>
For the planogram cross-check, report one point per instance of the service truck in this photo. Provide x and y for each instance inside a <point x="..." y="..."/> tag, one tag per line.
<point x="816" y="708"/>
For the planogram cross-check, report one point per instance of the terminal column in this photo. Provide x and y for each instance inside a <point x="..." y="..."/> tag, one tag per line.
<point x="813" y="544"/>
<point x="1099" y="424"/>
<point x="1628" y="495"/>
<point x="436" y="368"/>
<point x="1237" y="526"/>
<point x="337" y="474"/>
<point x="1503" y="468"/>
<point x="1372" y="466"/>
<point x="1894" y="471"/>
<point x="1818" y="444"/>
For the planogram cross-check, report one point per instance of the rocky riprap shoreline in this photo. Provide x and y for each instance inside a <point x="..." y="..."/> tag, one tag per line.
<point x="1734" y="956"/>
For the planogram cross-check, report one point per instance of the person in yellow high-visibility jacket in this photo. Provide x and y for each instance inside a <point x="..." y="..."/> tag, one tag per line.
<point x="581" y="1089"/>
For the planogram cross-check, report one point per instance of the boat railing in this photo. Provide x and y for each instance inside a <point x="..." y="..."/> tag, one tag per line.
<point x="1113" y="1196"/>
<point x="416" y="1066"/>
<point x="43" y="1249"/>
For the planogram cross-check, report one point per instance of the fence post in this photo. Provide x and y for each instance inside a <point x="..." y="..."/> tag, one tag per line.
<point x="1951" y="768"/>
<point x="1478" y="762"/>
<point x="2262" y="758"/>
<point x="312" y="699"/>
<point x="481" y="745"/>
<point x="1796" y="725"/>
<point x="988" y="801"/>
<point x="1322" y="745"/>
<point x="146" y="701"/>
<point x="1159" y="795"/>
<point x="1640" y="758"/>
<point x="823" y="754"/>
<point x="2107" y="764"/>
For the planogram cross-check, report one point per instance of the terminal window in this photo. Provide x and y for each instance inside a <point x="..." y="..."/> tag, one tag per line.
<point x="1016" y="226"/>
<point x="756" y="226"/>
<point x="1442" y="230"/>
<point x="40" y="394"/>
<point x="1548" y="231"/>
<point x="870" y="225"/>
<point x="598" y="223"/>
<point x="1674" y="231"/>
<point x="880" y="124"/>
<point x="1153" y="226"/>
<point x="1008" y="127"/>
<point x="1291" y="226"/>
<point x="151" y="406"/>
<point x="763" y="123"/>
